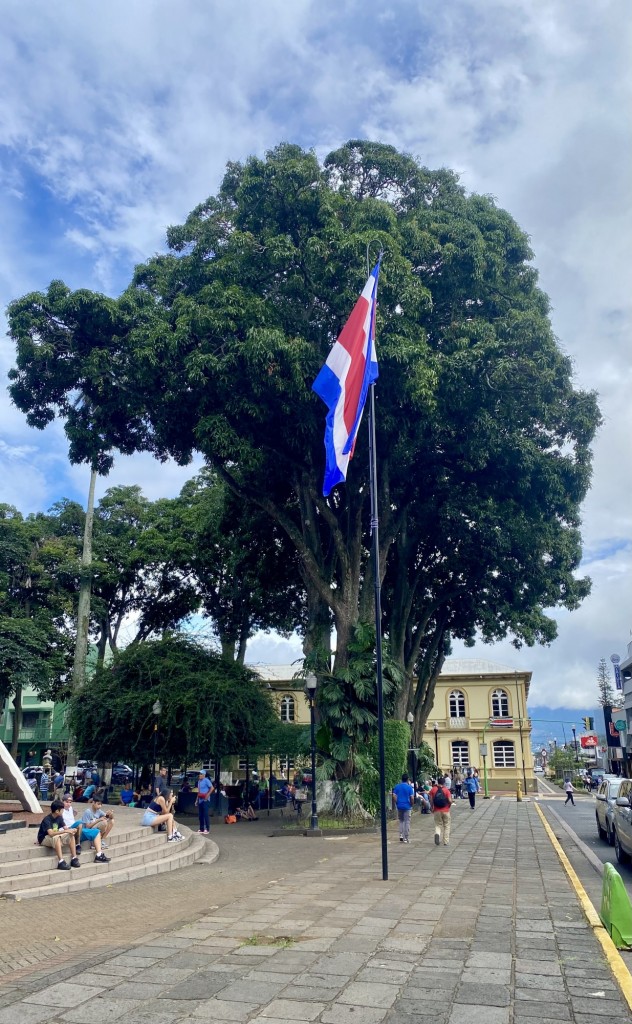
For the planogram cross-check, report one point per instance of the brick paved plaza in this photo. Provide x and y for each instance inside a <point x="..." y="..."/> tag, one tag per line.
<point x="487" y="930"/>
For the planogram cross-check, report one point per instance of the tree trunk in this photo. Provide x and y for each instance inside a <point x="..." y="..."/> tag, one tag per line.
<point x="17" y="721"/>
<point x="83" y="609"/>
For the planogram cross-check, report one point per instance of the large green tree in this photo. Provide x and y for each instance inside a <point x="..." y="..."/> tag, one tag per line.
<point x="483" y="442"/>
<point x="210" y="708"/>
<point x="37" y="575"/>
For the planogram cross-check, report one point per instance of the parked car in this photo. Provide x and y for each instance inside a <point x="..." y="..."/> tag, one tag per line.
<point x="122" y="773"/>
<point x="538" y="769"/>
<point x="622" y="822"/>
<point x="604" y="811"/>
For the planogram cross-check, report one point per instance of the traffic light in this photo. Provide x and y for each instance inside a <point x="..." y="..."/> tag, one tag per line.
<point x="589" y="723"/>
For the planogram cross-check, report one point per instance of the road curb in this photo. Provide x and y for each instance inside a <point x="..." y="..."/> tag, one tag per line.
<point x="614" y="958"/>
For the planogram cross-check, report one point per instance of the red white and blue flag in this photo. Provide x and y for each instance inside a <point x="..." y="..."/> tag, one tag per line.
<point x="344" y="381"/>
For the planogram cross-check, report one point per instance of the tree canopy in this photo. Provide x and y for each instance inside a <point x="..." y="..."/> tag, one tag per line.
<point x="483" y="442"/>
<point x="210" y="707"/>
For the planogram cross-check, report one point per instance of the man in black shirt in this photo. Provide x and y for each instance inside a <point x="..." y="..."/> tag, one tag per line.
<point x="54" y="834"/>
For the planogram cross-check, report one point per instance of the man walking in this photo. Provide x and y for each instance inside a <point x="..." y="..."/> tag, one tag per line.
<point x="568" y="789"/>
<point x="403" y="799"/>
<point x="472" y="788"/>
<point x="441" y="803"/>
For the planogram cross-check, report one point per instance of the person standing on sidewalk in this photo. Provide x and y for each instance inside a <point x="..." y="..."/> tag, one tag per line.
<point x="403" y="799"/>
<point x="568" y="789"/>
<point x="441" y="802"/>
<point x="205" y="791"/>
<point x="458" y="785"/>
<point x="472" y="788"/>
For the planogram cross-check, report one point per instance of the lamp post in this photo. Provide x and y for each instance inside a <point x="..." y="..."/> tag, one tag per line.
<point x="574" y="731"/>
<point x="410" y="718"/>
<point x="156" y="711"/>
<point x="435" y="729"/>
<point x="310" y="691"/>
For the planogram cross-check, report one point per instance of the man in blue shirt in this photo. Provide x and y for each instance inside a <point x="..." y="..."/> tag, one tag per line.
<point x="205" y="790"/>
<point x="403" y="799"/>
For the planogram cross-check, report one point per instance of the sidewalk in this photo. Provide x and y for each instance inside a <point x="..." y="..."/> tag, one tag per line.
<point x="485" y="931"/>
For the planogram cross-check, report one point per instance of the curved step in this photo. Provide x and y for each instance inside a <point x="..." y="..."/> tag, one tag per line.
<point x="178" y="855"/>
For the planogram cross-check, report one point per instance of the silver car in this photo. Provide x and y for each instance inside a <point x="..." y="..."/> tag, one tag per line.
<point x="606" y="796"/>
<point x="622" y="822"/>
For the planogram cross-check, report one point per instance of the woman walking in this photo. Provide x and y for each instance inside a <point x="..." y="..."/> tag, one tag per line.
<point x="472" y="788"/>
<point x="568" y="789"/>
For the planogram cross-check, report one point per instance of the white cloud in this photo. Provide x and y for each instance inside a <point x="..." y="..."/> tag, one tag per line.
<point x="117" y="123"/>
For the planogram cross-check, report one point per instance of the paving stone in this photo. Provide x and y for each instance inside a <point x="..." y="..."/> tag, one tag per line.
<point x="96" y="1010"/>
<point x="292" y="1009"/>
<point x="223" y="1009"/>
<point x="63" y="994"/>
<point x="260" y="992"/>
<point x="340" y="963"/>
<point x="541" y="981"/>
<point x="479" y="1015"/>
<point x="139" y="1017"/>
<point x="342" y="1014"/>
<point x="27" y="1014"/>
<point x="378" y="974"/>
<point x="333" y="982"/>
<point x="539" y="967"/>
<point x="201" y="985"/>
<point x="599" y="1008"/>
<point x="482" y="994"/>
<point x="362" y="993"/>
<point x="494" y="961"/>
<point x="486" y="975"/>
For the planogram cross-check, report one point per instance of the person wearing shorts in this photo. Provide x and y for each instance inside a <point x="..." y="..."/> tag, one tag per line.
<point x="53" y="834"/>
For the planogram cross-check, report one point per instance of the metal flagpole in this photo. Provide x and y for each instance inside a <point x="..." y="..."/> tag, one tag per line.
<point x="378" y="626"/>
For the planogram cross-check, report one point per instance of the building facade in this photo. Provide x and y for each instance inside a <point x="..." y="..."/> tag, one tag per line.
<point x="479" y="720"/>
<point x="43" y="727"/>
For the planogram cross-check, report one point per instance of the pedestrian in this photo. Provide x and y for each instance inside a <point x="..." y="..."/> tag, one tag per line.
<point x="568" y="789"/>
<point x="44" y="784"/>
<point x="471" y="787"/>
<point x="458" y="785"/>
<point x="403" y="799"/>
<point x="441" y="802"/>
<point x="205" y="791"/>
<point x="58" y="783"/>
<point x="262" y="792"/>
<point x="447" y="781"/>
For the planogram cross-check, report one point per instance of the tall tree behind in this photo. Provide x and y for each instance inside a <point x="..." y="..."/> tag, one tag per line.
<point x="66" y="347"/>
<point x="607" y="697"/>
<point x="37" y="575"/>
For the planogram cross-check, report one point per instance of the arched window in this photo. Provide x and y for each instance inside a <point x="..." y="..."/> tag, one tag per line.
<point x="460" y="754"/>
<point x="287" y="709"/>
<point x="457" y="704"/>
<point x="500" y="704"/>
<point x="504" y="754"/>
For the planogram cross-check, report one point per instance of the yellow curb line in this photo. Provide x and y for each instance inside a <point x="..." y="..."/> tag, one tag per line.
<point x="614" y="958"/>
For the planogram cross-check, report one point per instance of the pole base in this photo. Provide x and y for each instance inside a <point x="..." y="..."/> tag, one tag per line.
<point x="487" y="798"/>
<point x="313" y="832"/>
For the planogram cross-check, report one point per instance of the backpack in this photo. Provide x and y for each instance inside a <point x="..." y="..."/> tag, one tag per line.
<point x="230" y="819"/>
<point x="440" y="800"/>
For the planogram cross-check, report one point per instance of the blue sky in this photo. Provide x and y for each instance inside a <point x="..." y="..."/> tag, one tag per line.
<point x="116" y="119"/>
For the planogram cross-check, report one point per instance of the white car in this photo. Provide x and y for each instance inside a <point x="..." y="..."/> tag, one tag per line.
<point x="538" y="769"/>
<point x="606" y="797"/>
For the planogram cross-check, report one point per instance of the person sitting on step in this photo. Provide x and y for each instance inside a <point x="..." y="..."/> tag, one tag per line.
<point x="160" y="811"/>
<point x="94" y="819"/>
<point x="55" y="835"/>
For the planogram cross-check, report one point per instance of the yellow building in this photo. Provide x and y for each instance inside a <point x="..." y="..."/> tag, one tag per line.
<point x="479" y="718"/>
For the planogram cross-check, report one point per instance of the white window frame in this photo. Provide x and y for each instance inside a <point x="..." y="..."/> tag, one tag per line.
<point x="500" y="701"/>
<point x="458" y="711"/>
<point x="463" y="748"/>
<point x="504" y="747"/>
<point x="287" y="708"/>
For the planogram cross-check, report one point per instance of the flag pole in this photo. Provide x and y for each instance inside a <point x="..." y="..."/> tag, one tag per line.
<point x="378" y="627"/>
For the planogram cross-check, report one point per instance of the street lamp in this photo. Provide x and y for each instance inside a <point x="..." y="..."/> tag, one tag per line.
<point x="310" y="691"/>
<point x="435" y="729"/>
<point x="156" y="711"/>
<point x="574" y="731"/>
<point x="410" y="718"/>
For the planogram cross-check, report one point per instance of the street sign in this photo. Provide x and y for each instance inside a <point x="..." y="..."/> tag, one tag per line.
<point x="620" y="724"/>
<point x="615" y="659"/>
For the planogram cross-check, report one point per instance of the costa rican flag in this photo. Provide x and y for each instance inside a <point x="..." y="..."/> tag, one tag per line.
<point x="344" y="381"/>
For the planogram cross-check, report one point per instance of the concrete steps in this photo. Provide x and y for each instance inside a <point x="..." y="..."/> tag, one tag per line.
<point x="7" y="824"/>
<point x="28" y="871"/>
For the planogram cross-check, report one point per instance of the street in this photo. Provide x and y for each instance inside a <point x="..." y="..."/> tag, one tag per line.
<point x="581" y="819"/>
